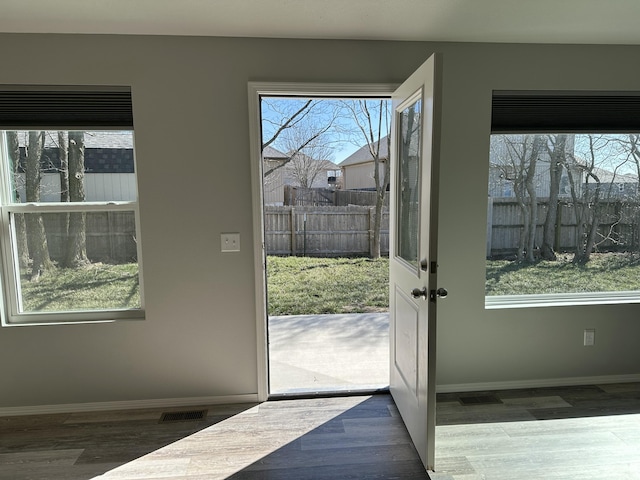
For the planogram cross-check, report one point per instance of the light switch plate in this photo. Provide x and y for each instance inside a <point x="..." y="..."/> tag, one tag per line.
<point x="589" y="337"/>
<point x="229" y="242"/>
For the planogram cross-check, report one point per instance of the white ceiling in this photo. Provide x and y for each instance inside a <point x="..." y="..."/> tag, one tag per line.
<point x="536" y="21"/>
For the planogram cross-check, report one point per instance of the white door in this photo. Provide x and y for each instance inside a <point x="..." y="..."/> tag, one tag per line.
<point x="413" y="254"/>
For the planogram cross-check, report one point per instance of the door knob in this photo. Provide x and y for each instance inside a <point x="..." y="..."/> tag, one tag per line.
<point x="419" y="292"/>
<point x="439" y="293"/>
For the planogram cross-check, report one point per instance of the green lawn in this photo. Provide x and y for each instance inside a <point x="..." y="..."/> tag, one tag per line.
<point x="94" y="287"/>
<point x="608" y="272"/>
<point x="307" y="285"/>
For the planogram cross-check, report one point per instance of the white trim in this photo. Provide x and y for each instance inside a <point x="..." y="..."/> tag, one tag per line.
<point x="127" y="405"/>
<point x="59" y="207"/>
<point x="323" y="89"/>
<point x="560" y="299"/>
<point x="255" y="90"/>
<point x="255" y="134"/>
<point x="540" y="383"/>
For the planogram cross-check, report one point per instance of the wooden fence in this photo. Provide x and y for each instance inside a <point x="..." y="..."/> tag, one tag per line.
<point x="618" y="228"/>
<point x="323" y="231"/>
<point x="299" y="196"/>
<point x="110" y="236"/>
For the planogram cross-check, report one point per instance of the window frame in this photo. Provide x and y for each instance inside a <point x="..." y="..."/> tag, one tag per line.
<point x="10" y="286"/>
<point x="563" y="111"/>
<point x="496" y="302"/>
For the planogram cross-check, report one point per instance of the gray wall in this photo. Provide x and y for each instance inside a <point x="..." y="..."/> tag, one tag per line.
<point x="199" y="338"/>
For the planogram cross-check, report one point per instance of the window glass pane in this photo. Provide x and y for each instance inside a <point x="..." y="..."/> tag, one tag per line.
<point x="408" y="194"/>
<point x="76" y="261"/>
<point x="76" y="166"/>
<point x="563" y="214"/>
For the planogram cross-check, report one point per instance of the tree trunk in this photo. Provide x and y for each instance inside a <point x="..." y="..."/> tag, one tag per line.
<point x="381" y="191"/>
<point x="533" y="199"/>
<point x="20" y="225"/>
<point x="37" y="238"/>
<point x="76" y="254"/>
<point x="547" y="250"/>
<point x="63" y="155"/>
<point x="592" y="232"/>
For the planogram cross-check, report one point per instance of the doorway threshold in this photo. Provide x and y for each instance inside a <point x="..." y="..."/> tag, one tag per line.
<point x="301" y="395"/>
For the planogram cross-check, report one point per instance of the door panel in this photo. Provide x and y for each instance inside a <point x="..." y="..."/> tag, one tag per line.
<point x="413" y="254"/>
<point x="406" y="344"/>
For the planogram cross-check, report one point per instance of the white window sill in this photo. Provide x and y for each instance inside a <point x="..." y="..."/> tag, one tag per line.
<point x="560" y="299"/>
<point x="74" y="318"/>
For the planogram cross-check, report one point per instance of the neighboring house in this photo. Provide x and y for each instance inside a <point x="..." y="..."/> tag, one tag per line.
<point x="503" y="172"/>
<point x="109" y="167"/>
<point x="501" y="180"/>
<point x="285" y="172"/>
<point x="613" y="185"/>
<point x="358" y="168"/>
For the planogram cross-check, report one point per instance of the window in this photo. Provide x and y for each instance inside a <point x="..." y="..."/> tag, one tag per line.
<point x="68" y="213"/>
<point x="568" y="229"/>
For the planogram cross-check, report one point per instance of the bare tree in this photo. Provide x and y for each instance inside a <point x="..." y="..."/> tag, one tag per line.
<point x="288" y="119"/>
<point x="373" y="126"/>
<point x="517" y="158"/>
<point x="586" y="196"/>
<point x="310" y="161"/>
<point x="556" y="149"/>
<point x="76" y="253"/>
<point x="36" y="235"/>
<point x="537" y="144"/>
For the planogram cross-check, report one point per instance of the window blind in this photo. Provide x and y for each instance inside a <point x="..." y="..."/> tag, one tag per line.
<point x="565" y="112"/>
<point x="65" y="107"/>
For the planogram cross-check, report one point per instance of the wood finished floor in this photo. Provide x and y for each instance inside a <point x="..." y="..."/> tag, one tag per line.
<point x="325" y="438"/>
<point x="549" y="433"/>
<point x="573" y="433"/>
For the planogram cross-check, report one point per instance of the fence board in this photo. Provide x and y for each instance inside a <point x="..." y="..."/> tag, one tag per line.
<point x="322" y="231"/>
<point x="618" y="226"/>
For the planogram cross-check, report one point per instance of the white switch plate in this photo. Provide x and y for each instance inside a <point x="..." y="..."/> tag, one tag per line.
<point x="230" y="242"/>
<point x="589" y="337"/>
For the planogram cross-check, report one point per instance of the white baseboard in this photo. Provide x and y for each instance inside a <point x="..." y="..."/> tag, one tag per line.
<point x="253" y="398"/>
<point x="127" y="405"/>
<point x="552" y="382"/>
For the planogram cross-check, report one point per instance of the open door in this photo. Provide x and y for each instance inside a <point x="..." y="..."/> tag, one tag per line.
<point x="413" y="254"/>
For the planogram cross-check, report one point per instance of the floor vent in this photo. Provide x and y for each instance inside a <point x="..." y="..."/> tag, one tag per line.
<point x="479" y="400"/>
<point x="190" y="416"/>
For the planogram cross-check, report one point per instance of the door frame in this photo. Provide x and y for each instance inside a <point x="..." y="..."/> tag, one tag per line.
<point x="255" y="91"/>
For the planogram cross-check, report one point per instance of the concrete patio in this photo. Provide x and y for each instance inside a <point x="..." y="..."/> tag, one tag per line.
<point x="321" y="353"/>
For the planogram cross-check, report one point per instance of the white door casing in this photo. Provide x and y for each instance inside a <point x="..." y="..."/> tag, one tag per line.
<point x="255" y="91"/>
<point x="413" y="286"/>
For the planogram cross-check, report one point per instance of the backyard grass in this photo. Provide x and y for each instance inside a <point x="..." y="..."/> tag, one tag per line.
<point x="605" y="272"/>
<point x="94" y="287"/>
<point x="307" y="285"/>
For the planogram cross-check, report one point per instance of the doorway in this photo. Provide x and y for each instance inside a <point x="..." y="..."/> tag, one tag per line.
<point x="323" y="291"/>
<point x="414" y="153"/>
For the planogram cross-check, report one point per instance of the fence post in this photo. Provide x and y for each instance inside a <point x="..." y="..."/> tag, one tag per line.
<point x="489" y="225"/>
<point x="293" y="231"/>
<point x="558" y="235"/>
<point x="371" y="221"/>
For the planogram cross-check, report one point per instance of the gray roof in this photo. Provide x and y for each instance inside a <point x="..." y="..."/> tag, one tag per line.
<point x="272" y="153"/>
<point x="606" y="176"/>
<point x="106" y="139"/>
<point x="363" y="155"/>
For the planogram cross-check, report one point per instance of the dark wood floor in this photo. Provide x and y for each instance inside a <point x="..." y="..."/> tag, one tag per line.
<point x="326" y="438"/>
<point x="551" y="433"/>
